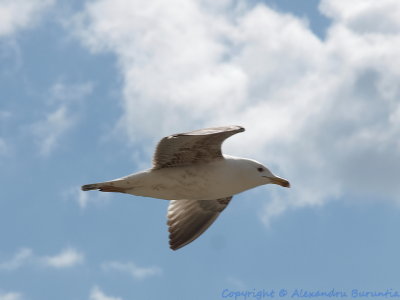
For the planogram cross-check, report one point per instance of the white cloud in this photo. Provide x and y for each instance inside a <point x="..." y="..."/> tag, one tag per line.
<point x="20" y="258"/>
<point x="20" y="14"/>
<point x="11" y="58"/>
<point x="83" y="199"/>
<point x="364" y="16"/>
<point x="3" y="147"/>
<point x="58" y="120"/>
<point x="50" y="130"/>
<point x="273" y="208"/>
<point x="67" y="258"/>
<point x="97" y="294"/>
<point x="323" y="113"/>
<point x="4" y="115"/>
<point x="10" y="296"/>
<point x="69" y="92"/>
<point x="132" y="269"/>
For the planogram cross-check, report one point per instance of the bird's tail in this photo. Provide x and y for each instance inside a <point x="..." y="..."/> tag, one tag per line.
<point x="92" y="186"/>
<point x="108" y="186"/>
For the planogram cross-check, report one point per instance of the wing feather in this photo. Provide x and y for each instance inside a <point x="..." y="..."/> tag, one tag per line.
<point x="188" y="219"/>
<point x="197" y="146"/>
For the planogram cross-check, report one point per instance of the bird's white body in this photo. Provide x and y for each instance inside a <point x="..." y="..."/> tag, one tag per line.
<point x="209" y="181"/>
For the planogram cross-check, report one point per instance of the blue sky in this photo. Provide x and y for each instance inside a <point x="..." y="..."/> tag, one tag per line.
<point x="88" y="88"/>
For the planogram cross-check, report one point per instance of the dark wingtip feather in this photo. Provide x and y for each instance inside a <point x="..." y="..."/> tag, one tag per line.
<point x="89" y="187"/>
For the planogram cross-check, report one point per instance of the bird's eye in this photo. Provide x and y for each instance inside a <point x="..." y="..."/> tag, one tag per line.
<point x="260" y="169"/>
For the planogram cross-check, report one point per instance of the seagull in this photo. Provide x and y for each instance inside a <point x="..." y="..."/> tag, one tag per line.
<point x="190" y="170"/>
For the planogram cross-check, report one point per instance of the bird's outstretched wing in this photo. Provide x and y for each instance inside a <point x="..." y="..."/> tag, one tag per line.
<point x="188" y="219"/>
<point x="183" y="149"/>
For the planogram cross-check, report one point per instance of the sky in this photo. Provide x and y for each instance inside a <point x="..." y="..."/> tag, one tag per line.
<point x="87" y="88"/>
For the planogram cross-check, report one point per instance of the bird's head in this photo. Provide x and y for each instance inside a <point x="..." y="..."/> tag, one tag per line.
<point x="264" y="175"/>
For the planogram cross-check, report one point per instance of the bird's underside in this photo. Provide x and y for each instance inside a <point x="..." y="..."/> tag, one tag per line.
<point x="187" y="219"/>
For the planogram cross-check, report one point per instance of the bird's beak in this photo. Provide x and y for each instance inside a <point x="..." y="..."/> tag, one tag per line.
<point x="279" y="181"/>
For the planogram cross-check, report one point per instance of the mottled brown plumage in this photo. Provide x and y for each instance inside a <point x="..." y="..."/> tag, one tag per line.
<point x="199" y="146"/>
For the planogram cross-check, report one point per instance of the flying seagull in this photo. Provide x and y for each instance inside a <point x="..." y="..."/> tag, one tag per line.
<point x="190" y="170"/>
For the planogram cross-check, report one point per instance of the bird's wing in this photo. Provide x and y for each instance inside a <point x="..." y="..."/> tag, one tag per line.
<point x="202" y="145"/>
<point x="188" y="219"/>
